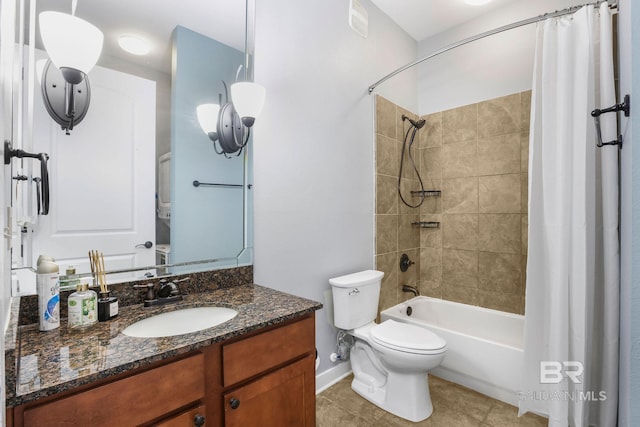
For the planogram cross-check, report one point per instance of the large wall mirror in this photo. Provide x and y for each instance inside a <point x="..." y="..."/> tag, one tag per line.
<point x="123" y="180"/>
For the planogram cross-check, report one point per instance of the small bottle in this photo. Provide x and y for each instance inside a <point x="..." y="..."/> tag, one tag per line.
<point x="48" y="286"/>
<point x="83" y="307"/>
<point x="72" y="278"/>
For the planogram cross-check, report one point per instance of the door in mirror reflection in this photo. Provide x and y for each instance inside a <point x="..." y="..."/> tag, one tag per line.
<point x="102" y="177"/>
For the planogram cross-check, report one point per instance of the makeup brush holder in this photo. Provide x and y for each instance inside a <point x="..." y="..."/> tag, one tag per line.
<point x="107" y="306"/>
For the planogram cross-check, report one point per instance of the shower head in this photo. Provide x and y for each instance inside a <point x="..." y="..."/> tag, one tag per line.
<point x="417" y="124"/>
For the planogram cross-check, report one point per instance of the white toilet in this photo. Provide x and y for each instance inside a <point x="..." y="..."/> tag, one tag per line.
<point x="389" y="360"/>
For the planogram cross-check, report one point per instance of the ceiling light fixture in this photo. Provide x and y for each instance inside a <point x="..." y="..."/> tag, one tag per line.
<point x="133" y="44"/>
<point x="74" y="46"/>
<point x="477" y="2"/>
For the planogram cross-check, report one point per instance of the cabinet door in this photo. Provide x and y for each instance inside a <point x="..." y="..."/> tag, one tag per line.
<point x="134" y="400"/>
<point x="193" y="417"/>
<point x="285" y="397"/>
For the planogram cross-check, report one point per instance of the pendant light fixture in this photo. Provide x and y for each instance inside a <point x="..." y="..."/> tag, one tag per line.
<point x="74" y="46"/>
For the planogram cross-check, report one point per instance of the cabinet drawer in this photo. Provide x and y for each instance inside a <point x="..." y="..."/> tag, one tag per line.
<point x="251" y="356"/>
<point x="130" y="401"/>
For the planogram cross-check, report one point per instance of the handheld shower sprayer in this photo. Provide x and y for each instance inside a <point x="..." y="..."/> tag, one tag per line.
<point x="417" y="124"/>
<point x="413" y="129"/>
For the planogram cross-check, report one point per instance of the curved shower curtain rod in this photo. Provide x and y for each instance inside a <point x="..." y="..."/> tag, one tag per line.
<point x="462" y="42"/>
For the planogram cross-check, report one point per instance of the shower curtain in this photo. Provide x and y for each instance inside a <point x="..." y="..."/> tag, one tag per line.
<point x="571" y="315"/>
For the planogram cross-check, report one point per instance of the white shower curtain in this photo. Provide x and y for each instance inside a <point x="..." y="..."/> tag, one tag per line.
<point x="571" y="314"/>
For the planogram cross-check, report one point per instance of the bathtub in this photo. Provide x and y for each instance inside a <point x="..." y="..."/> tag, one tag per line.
<point x="484" y="347"/>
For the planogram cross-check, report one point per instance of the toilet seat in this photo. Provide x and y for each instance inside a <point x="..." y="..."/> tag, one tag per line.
<point x="407" y="338"/>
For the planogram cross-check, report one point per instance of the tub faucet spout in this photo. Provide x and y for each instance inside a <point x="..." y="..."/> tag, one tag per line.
<point x="412" y="289"/>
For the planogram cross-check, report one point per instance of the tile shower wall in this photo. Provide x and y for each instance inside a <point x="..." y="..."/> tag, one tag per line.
<point x="477" y="155"/>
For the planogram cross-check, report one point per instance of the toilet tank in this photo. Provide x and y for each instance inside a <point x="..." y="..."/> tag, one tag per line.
<point x="355" y="298"/>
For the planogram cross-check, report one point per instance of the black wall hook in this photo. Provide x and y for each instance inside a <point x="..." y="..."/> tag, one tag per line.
<point x="10" y="152"/>
<point x="625" y="106"/>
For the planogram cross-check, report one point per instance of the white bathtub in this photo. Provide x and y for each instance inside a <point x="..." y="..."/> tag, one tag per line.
<point x="484" y="347"/>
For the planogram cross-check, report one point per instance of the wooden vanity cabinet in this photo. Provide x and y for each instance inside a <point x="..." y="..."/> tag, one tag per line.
<point x="265" y="378"/>
<point x="269" y="379"/>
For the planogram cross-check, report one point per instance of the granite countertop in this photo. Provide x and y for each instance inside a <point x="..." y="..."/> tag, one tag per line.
<point x="40" y="364"/>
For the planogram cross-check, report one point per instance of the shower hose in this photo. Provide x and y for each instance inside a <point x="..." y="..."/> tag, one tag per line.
<point x="414" y="126"/>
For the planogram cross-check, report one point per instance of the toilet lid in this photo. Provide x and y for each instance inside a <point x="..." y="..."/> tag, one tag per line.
<point x="404" y="336"/>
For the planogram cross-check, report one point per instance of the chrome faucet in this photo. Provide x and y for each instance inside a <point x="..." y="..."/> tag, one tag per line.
<point x="412" y="289"/>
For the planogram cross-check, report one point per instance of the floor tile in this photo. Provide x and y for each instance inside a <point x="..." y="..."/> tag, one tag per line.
<point x="454" y="406"/>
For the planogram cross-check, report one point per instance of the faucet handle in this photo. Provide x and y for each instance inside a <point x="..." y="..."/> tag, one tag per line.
<point x="151" y="295"/>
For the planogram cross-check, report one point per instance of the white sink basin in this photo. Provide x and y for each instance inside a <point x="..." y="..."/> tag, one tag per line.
<point x="180" y="322"/>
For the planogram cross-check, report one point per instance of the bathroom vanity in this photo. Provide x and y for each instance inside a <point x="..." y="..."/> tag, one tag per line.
<point x="256" y="369"/>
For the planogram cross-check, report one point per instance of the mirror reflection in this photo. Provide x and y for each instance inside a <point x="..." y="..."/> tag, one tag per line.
<point x="123" y="179"/>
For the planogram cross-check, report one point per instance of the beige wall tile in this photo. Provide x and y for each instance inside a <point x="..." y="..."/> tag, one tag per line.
<point x="385" y="117"/>
<point x="408" y="170"/>
<point x="386" y="195"/>
<point x="525" y="120"/>
<point x="386" y="233"/>
<point x="499" y="272"/>
<point x="460" y="159"/>
<point x="386" y="155"/>
<point x="408" y="235"/>
<point x="460" y="231"/>
<point x="431" y="264"/>
<point x="524" y="191"/>
<point x="524" y="151"/>
<point x="510" y="303"/>
<point x="460" y="124"/>
<point x="524" y="234"/>
<point x="460" y="294"/>
<point x="389" y="288"/>
<point x="523" y="277"/>
<point x="499" y="116"/>
<point x="499" y="233"/>
<point x="431" y="237"/>
<point x="412" y="275"/>
<point x="432" y="204"/>
<point x="431" y="163"/>
<point x="500" y="193"/>
<point x="430" y="289"/>
<point x="460" y="268"/>
<point x="460" y="195"/>
<point x="431" y="133"/>
<point x="499" y="154"/>
<point x="406" y="186"/>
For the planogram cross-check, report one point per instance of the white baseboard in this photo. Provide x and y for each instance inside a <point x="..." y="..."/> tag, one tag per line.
<point x="326" y="379"/>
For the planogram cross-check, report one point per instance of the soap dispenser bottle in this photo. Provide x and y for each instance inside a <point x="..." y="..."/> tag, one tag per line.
<point x="83" y="307"/>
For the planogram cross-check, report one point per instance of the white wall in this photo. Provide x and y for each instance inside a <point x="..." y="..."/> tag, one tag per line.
<point x="314" y="144"/>
<point x="498" y="65"/>
<point x="629" y="414"/>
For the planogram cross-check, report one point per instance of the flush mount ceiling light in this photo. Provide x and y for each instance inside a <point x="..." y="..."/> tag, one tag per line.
<point x="477" y="2"/>
<point x="74" y="46"/>
<point x="133" y="44"/>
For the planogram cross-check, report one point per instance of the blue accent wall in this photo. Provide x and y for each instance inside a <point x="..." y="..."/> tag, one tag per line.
<point x="206" y="222"/>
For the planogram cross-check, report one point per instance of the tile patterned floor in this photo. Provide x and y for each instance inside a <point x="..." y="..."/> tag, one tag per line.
<point x="454" y="406"/>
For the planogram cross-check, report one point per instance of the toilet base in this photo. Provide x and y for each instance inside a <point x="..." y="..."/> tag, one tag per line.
<point x="405" y="396"/>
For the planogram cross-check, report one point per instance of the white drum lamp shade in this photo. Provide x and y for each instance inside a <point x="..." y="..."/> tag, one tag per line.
<point x="208" y="117"/>
<point x="72" y="43"/>
<point x="248" y="99"/>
